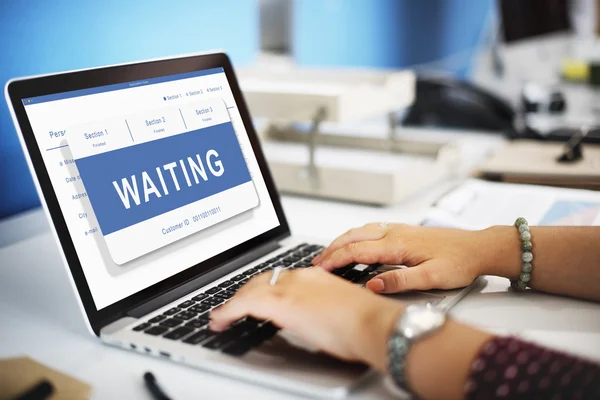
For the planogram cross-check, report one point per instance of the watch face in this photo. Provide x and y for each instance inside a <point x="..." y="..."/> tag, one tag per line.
<point x="419" y="320"/>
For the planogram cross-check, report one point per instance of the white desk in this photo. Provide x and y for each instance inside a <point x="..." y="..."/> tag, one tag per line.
<point x="40" y="318"/>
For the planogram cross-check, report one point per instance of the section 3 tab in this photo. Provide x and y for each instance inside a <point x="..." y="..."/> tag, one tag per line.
<point x="156" y="177"/>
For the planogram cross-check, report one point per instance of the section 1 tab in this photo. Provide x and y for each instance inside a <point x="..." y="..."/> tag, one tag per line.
<point x="98" y="137"/>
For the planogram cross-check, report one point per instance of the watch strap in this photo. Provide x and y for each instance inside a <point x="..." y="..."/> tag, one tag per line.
<point x="398" y="347"/>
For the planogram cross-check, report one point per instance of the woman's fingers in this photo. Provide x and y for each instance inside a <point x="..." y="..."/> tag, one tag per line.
<point x="368" y="232"/>
<point x="257" y="299"/>
<point x="256" y="303"/>
<point x="366" y="252"/>
<point x="421" y="277"/>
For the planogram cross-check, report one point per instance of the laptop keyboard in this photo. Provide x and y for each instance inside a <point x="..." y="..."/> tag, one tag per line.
<point x="188" y="321"/>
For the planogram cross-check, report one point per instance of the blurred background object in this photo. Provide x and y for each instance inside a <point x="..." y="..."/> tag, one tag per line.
<point x="472" y="58"/>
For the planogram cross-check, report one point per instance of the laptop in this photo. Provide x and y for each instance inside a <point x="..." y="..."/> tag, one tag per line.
<point x="163" y="206"/>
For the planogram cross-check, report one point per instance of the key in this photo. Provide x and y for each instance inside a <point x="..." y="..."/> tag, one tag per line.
<point x="185" y="315"/>
<point x="353" y="275"/>
<point x="171" y="322"/>
<point x="212" y="301"/>
<point x="213" y="290"/>
<point x="250" y="272"/>
<point x="141" y="327"/>
<point x="220" y="340"/>
<point x="157" y="319"/>
<point x="304" y="264"/>
<point x="205" y="316"/>
<point x="267" y="331"/>
<point x="245" y="326"/>
<point x="156" y="330"/>
<point x="237" y="348"/>
<point x="197" y="323"/>
<point x="343" y="270"/>
<point x="218" y="300"/>
<point x="172" y="311"/>
<point x="225" y="294"/>
<point x="199" y="336"/>
<point x="178" y="333"/>
<point x="199" y="308"/>
<point x="186" y="304"/>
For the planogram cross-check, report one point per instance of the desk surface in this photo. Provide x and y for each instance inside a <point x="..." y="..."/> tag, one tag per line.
<point x="40" y="318"/>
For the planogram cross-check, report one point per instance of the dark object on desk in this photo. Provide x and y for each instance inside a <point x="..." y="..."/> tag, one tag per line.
<point x="562" y="135"/>
<point x="450" y="103"/>
<point x="154" y="388"/>
<point x="23" y="378"/>
<point x="538" y="98"/>
<point x="574" y="147"/>
<point x="536" y="162"/>
<point x="40" y="391"/>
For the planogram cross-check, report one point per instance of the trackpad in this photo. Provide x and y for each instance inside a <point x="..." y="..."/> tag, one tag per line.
<point x="291" y="358"/>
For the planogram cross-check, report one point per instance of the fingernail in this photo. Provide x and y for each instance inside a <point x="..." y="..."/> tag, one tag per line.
<point x="317" y="259"/>
<point x="376" y="285"/>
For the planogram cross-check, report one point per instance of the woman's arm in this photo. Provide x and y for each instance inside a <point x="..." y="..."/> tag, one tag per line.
<point x="566" y="259"/>
<point x="354" y="324"/>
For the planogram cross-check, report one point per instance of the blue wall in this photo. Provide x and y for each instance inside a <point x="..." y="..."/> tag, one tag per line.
<point x="386" y="33"/>
<point x="47" y="36"/>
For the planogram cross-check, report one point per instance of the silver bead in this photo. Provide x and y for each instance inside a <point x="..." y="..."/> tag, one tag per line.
<point x="527" y="257"/>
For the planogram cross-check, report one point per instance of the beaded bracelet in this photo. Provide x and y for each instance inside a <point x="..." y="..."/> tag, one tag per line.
<point x="527" y="257"/>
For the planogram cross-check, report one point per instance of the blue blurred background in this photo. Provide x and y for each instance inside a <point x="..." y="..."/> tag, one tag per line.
<point x="38" y="37"/>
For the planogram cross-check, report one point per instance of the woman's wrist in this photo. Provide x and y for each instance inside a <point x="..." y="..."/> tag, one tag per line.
<point x="501" y="252"/>
<point x="443" y="357"/>
<point x="376" y="327"/>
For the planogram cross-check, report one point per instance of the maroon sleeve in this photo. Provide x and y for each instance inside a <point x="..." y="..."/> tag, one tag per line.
<point x="510" y="368"/>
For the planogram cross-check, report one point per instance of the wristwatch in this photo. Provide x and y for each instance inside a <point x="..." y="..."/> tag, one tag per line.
<point x="417" y="321"/>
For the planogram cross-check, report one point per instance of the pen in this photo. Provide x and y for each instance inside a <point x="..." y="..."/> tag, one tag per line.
<point x="153" y="387"/>
<point x="40" y="391"/>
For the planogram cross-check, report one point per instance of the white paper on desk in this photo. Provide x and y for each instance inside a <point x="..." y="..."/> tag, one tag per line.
<point x="477" y="204"/>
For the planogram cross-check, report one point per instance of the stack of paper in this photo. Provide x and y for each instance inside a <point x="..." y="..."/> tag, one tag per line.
<point x="479" y="204"/>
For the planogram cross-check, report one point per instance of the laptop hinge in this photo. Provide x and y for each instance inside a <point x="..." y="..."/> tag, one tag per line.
<point x="196" y="283"/>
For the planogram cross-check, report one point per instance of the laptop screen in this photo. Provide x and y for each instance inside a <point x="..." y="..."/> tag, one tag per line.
<point x="152" y="177"/>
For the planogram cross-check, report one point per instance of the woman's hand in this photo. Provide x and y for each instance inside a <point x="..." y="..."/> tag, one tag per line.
<point x="441" y="258"/>
<point x="333" y="315"/>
